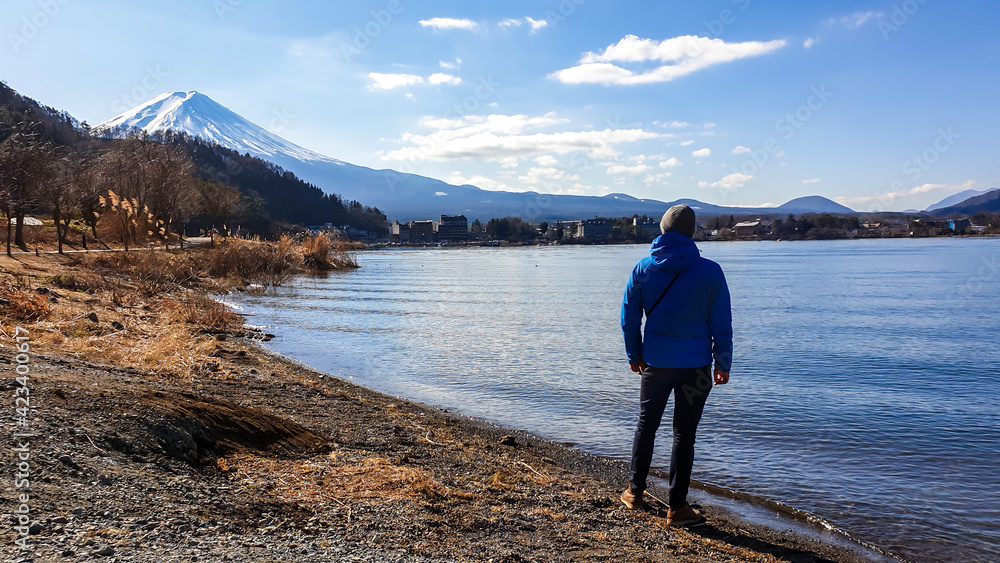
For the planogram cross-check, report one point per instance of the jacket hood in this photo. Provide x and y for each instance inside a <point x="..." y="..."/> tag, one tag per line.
<point x="674" y="252"/>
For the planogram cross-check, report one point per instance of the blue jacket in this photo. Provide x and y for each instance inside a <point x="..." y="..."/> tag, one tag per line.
<point x="693" y="322"/>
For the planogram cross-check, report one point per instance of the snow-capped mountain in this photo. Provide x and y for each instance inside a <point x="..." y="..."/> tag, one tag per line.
<point x="400" y="196"/>
<point x="198" y="115"/>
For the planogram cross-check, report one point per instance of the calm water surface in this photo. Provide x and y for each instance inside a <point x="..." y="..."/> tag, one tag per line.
<point x="865" y="387"/>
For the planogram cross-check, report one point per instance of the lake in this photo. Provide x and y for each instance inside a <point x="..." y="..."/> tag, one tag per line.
<point x="865" y="385"/>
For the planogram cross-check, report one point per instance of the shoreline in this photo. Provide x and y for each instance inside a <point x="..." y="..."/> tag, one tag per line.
<point x="155" y="434"/>
<point x="737" y="510"/>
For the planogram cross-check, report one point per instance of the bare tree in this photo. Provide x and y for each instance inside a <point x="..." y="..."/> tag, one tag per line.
<point x="218" y="202"/>
<point x="26" y="164"/>
<point x="172" y="189"/>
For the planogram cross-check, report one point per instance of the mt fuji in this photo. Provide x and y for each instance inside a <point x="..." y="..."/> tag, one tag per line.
<point x="399" y="195"/>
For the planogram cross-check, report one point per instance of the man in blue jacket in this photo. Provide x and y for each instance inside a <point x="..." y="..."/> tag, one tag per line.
<point x="688" y="325"/>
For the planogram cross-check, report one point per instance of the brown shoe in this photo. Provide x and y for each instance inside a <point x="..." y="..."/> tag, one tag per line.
<point x="686" y="517"/>
<point x="631" y="500"/>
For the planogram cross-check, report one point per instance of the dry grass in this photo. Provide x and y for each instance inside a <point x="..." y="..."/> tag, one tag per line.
<point x="149" y="344"/>
<point x="200" y="311"/>
<point x="254" y="261"/>
<point x="316" y="252"/>
<point x="17" y="304"/>
<point x="323" y="482"/>
<point x="152" y="272"/>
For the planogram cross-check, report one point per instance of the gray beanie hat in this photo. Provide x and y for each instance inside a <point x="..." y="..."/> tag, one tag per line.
<point x="678" y="219"/>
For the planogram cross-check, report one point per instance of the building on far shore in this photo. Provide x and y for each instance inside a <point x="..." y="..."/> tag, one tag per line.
<point x="649" y="227"/>
<point x="959" y="226"/>
<point x="453" y="228"/>
<point x="595" y="229"/>
<point x="421" y="231"/>
<point x="400" y="232"/>
<point x="749" y="228"/>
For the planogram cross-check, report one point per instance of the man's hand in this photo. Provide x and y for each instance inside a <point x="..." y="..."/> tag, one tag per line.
<point x="721" y="377"/>
<point x="639" y="367"/>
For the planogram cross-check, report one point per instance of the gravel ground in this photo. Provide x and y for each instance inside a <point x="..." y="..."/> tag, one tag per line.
<point x="270" y="461"/>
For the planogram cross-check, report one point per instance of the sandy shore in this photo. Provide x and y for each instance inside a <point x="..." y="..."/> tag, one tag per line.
<point x="240" y="455"/>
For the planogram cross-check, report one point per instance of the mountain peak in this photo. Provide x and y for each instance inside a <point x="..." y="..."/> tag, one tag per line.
<point x="200" y="116"/>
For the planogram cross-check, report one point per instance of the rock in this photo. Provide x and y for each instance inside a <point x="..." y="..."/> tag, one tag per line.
<point x="105" y="551"/>
<point x="35" y="529"/>
<point x="42" y="291"/>
<point x="68" y="553"/>
<point x="92" y="317"/>
<point x="508" y="441"/>
<point x="66" y="460"/>
<point x="60" y="520"/>
<point x="78" y="511"/>
<point x="117" y="325"/>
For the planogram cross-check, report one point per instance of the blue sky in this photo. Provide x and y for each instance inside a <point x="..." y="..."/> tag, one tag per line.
<point x="877" y="104"/>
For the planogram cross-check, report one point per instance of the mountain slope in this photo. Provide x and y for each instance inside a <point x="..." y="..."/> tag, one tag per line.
<point x="813" y="204"/>
<point x="198" y="115"/>
<point x="401" y="196"/>
<point x="988" y="202"/>
<point x="958" y="198"/>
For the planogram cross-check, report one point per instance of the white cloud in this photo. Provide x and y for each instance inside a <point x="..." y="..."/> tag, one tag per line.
<point x="450" y="23"/>
<point x="670" y="163"/>
<point x="808" y="42"/>
<point x="539" y="174"/>
<point x="497" y="137"/>
<point x="811" y="181"/>
<point x="728" y="182"/>
<point x="709" y="125"/>
<point x="382" y="81"/>
<point x="859" y="19"/>
<point x="534" y="24"/>
<point x="684" y="55"/>
<point x="450" y="66"/>
<point x="702" y="153"/>
<point x="389" y="81"/>
<point x="656" y="179"/>
<point x="621" y="169"/>
<point x="442" y="78"/>
<point x="687" y="143"/>
<point x="672" y="124"/>
<point x="740" y="149"/>
<point x="546" y="160"/>
<point x="479" y="181"/>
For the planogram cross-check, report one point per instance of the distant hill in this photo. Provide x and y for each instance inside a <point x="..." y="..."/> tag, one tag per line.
<point x="813" y="204"/>
<point x="988" y="202"/>
<point x="958" y="198"/>
<point x="401" y="196"/>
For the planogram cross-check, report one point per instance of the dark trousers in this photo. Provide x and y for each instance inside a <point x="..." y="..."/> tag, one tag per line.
<point x="690" y="387"/>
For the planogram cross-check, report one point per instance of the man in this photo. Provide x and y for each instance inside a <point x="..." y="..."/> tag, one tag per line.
<point x="688" y="324"/>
